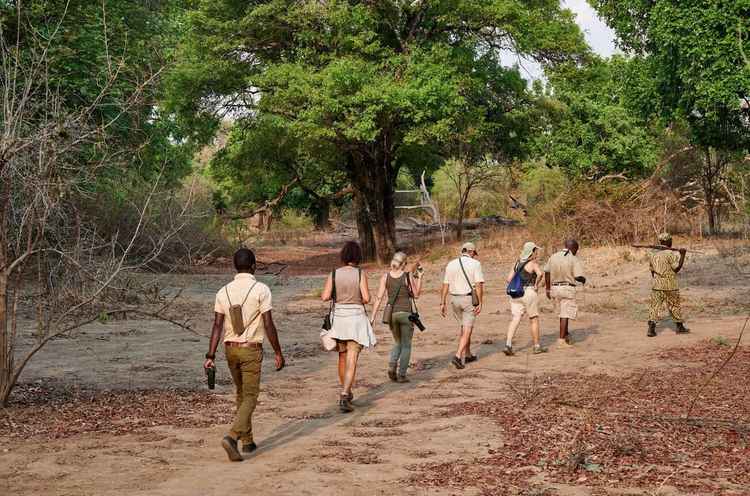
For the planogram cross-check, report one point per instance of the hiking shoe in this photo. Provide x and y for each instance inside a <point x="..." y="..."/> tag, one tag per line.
<point x="392" y="374"/>
<point x="345" y="404"/>
<point x="230" y="446"/>
<point x="471" y="358"/>
<point x="249" y="447"/>
<point x="457" y="363"/>
<point x="508" y="350"/>
<point x="402" y="379"/>
<point x="681" y="329"/>
<point x="539" y="349"/>
<point x="651" y="329"/>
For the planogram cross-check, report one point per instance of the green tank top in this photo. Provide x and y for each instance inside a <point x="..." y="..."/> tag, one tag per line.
<point x="402" y="303"/>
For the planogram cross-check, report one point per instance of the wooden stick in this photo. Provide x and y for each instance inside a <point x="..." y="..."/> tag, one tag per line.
<point x="661" y="247"/>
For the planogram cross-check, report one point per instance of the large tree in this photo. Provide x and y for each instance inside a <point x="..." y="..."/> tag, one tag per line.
<point x="692" y="53"/>
<point x="383" y="82"/>
<point x="592" y="130"/>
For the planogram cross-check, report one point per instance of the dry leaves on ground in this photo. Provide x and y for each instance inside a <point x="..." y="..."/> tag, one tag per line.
<point x="43" y="411"/>
<point x="603" y="431"/>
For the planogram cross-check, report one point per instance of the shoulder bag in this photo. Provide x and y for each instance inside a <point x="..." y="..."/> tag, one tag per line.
<point x="474" y="295"/>
<point x="235" y="313"/>
<point x="329" y="343"/>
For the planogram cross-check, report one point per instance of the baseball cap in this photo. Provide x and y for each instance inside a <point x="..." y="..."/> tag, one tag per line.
<point x="468" y="246"/>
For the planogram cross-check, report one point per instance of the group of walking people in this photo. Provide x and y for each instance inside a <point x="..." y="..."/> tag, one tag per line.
<point x="243" y="314"/>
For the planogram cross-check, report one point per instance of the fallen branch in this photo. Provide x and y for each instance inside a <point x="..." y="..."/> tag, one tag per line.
<point x="719" y="369"/>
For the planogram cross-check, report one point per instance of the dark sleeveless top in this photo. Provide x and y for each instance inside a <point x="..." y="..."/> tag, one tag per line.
<point x="527" y="278"/>
<point x="402" y="303"/>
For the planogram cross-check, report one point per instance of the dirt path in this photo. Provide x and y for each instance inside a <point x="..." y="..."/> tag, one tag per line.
<point x="305" y="446"/>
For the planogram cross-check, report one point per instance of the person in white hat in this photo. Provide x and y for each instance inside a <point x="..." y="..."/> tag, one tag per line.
<point x="465" y="283"/>
<point x="532" y="278"/>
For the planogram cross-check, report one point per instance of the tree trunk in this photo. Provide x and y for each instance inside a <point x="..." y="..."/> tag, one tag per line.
<point x="321" y="211"/>
<point x="381" y="214"/>
<point x="711" y="214"/>
<point x="373" y="185"/>
<point x="461" y="211"/>
<point x="364" y="227"/>
<point x="6" y="362"/>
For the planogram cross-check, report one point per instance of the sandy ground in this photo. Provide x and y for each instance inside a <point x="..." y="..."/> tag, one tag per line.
<point x="306" y="447"/>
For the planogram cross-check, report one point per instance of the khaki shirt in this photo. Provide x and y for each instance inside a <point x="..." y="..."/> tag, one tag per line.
<point x="563" y="266"/>
<point x="663" y="264"/>
<point x="258" y="300"/>
<point x="455" y="278"/>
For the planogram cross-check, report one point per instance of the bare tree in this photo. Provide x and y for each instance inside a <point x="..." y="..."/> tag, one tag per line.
<point x="51" y="258"/>
<point x="466" y="175"/>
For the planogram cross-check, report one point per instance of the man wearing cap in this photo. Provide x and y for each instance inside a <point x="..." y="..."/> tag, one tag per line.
<point x="244" y="350"/>
<point x="664" y="265"/>
<point x="465" y="283"/>
<point x="562" y="272"/>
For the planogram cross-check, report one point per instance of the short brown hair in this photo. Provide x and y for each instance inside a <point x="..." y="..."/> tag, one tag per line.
<point x="351" y="253"/>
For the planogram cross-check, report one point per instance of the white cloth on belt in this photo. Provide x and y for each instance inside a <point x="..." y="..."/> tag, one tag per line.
<point x="350" y="323"/>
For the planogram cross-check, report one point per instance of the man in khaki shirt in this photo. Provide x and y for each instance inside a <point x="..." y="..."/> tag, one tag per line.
<point x="243" y="346"/>
<point x="562" y="272"/>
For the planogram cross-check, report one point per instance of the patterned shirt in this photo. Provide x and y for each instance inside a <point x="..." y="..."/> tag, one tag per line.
<point x="663" y="264"/>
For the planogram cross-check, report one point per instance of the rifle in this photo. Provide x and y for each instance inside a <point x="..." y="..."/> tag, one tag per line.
<point x="661" y="247"/>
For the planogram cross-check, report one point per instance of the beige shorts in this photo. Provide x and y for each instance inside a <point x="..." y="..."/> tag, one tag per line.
<point x="566" y="297"/>
<point x="463" y="310"/>
<point x="528" y="303"/>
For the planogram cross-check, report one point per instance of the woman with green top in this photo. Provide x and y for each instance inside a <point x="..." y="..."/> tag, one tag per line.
<point x="532" y="278"/>
<point x="400" y="287"/>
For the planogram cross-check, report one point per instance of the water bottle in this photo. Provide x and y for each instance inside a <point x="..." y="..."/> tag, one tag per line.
<point x="211" y="373"/>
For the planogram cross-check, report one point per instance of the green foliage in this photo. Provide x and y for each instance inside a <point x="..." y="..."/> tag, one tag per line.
<point x="592" y="130"/>
<point x="693" y="54"/>
<point x="384" y="84"/>
<point x="489" y="197"/>
<point x="295" y="221"/>
<point x="541" y="184"/>
<point x="102" y="54"/>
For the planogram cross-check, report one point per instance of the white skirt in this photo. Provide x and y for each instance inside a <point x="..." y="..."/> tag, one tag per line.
<point x="350" y="323"/>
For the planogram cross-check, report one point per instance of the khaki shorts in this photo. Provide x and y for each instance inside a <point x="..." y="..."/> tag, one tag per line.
<point x="463" y="310"/>
<point x="566" y="297"/>
<point x="344" y="346"/>
<point x="528" y="303"/>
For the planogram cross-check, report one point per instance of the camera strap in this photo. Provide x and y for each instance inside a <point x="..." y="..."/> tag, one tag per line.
<point x="411" y="295"/>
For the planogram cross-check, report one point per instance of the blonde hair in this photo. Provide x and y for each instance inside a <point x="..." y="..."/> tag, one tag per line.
<point x="398" y="261"/>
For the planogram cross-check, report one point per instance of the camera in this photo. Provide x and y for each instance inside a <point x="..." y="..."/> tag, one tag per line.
<point x="414" y="319"/>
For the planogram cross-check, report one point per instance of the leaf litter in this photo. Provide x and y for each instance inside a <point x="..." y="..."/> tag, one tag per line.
<point x="604" y="431"/>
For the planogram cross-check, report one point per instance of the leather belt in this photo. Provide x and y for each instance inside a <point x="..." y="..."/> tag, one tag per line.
<point x="467" y="294"/>
<point x="238" y="344"/>
<point x="562" y="284"/>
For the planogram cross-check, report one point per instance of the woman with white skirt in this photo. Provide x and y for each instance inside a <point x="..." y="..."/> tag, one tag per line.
<point x="350" y="327"/>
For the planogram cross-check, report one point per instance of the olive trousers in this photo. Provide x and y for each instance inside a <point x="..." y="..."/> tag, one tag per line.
<point x="244" y="365"/>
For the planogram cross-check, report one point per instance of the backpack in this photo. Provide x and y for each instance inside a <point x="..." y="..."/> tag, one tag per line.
<point x="515" y="286"/>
